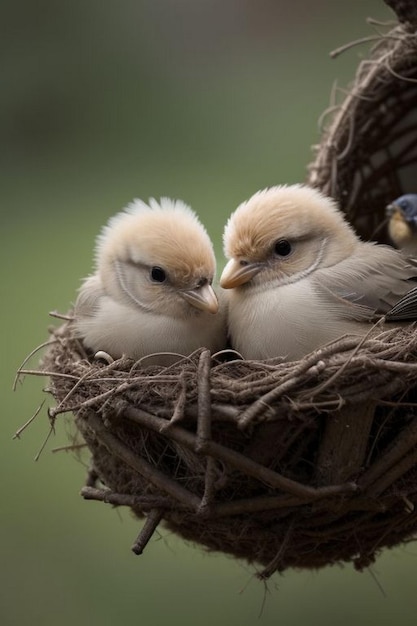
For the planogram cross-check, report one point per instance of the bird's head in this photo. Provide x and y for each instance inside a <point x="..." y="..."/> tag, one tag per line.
<point x="402" y="215"/>
<point x="281" y="235"/>
<point x="405" y="208"/>
<point x="159" y="258"/>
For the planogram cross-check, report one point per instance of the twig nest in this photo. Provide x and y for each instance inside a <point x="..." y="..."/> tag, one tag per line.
<point x="299" y="464"/>
<point x="296" y="464"/>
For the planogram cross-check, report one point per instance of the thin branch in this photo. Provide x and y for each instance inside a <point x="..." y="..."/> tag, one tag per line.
<point x="152" y="520"/>
<point x="398" y="470"/>
<point x="180" y="403"/>
<point x="51" y="430"/>
<point x="139" y="465"/>
<point x="237" y="460"/>
<point x="46" y="373"/>
<point x="20" y="370"/>
<point x="209" y="486"/>
<point x="144" y="503"/>
<point x="30" y="420"/>
<point x="61" y="316"/>
<point x="352" y="44"/>
<point x="204" y="400"/>
<point x="398" y="449"/>
<point x="70" y="448"/>
<point x="274" y="564"/>
<point x="399" y="76"/>
<point x="62" y="403"/>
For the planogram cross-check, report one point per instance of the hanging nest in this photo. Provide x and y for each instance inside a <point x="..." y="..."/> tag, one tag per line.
<point x="299" y="464"/>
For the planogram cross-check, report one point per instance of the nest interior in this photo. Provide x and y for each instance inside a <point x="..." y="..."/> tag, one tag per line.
<point x="299" y="464"/>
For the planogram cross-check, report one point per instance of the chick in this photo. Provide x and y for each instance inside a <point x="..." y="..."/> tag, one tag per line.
<point x="402" y="224"/>
<point x="300" y="277"/>
<point x="152" y="288"/>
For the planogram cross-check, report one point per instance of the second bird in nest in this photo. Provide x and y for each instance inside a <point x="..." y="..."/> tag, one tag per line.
<point x="299" y="277"/>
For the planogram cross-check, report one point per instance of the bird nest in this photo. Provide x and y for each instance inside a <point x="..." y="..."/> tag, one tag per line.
<point x="299" y="464"/>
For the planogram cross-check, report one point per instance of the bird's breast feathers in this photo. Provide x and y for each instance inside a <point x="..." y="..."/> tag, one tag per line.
<point x="288" y="321"/>
<point x="119" y="329"/>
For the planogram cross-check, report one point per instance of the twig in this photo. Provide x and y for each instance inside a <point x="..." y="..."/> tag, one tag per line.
<point x="51" y="430"/>
<point x="284" y="387"/>
<point x="204" y="400"/>
<point x="352" y="44"/>
<point x="46" y="373"/>
<point x="144" y="503"/>
<point x="62" y="403"/>
<point x="70" y="448"/>
<point x="61" y="316"/>
<point x="20" y="370"/>
<point x="274" y="564"/>
<point x="235" y="459"/>
<point x="30" y="420"/>
<point x="256" y="505"/>
<point x="401" y="446"/>
<point x="180" y="403"/>
<point x="152" y="520"/>
<point x="399" y="76"/>
<point x="395" y="472"/>
<point x="139" y="465"/>
<point x="209" y="487"/>
<point x="320" y="388"/>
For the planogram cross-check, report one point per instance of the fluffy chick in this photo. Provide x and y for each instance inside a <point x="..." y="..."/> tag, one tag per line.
<point x="402" y="224"/>
<point x="152" y="288"/>
<point x="300" y="277"/>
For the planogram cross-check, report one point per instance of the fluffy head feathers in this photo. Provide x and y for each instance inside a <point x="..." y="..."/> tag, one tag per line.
<point x="166" y="234"/>
<point x="293" y="212"/>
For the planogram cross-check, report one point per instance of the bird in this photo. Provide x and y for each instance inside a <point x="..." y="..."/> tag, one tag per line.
<point x="151" y="290"/>
<point x="402" y="223"/>
<point x="299" y="276"/>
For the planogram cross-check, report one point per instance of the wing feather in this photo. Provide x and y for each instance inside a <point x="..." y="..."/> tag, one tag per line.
<point x="369" y="284"/>
<point x="405" y="309"/>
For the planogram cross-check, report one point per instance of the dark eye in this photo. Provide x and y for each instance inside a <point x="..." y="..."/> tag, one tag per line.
<point x="158" y="275"/>
<point x="283" y="247"/>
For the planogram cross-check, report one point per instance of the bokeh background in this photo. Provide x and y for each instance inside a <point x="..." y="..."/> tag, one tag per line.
<point x="102" y="101"/>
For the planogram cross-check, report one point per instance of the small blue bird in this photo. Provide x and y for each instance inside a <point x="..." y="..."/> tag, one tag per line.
<point x="402" y="225"/>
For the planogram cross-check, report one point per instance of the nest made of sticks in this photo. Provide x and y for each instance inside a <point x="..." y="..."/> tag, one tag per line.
<point x="285" y="464"/>
<point x="299" y="464"/>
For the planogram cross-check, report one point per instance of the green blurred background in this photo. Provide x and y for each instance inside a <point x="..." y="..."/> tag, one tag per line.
<point x="102" y="101"/>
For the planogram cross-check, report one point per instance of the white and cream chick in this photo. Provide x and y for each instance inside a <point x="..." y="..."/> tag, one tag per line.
<point x="299" y="277"/>
<point x="152" y="287"/>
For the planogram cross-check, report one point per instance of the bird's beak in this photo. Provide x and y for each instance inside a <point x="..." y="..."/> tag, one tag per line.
<point x="202" y="298"/>
<point x="394" y="212"/>
<point x="237" y="273"/>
